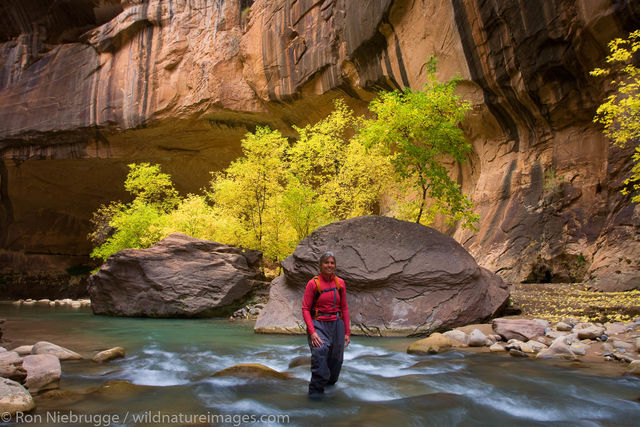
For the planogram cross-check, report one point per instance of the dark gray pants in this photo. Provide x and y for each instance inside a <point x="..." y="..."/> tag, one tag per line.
<point x="326" y="360"/>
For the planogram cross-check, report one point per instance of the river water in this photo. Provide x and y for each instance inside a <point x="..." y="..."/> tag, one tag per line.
<point x="170" y="363"/>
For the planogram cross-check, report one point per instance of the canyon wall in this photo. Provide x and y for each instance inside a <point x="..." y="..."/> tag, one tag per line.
<point x="88" y="86"/>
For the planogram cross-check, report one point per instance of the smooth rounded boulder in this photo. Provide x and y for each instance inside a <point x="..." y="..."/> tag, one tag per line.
<point x="43" y="372"/>
<point x="45" y="347"/>
<point x="402" y="279"/>
<point x="14" y="398"/>
<point x="110" y="354"/>
<point x="179" y="276"/>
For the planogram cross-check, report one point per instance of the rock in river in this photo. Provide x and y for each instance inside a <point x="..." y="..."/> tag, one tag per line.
<point x="43" y="372"/>
<point x="402" y="278"/>
<point x="14" y="398"/>
<point x="44" y="347"/>
<point x="180" y="276"/>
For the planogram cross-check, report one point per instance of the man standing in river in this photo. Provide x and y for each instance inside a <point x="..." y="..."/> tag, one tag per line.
<point x="326" y="314"/>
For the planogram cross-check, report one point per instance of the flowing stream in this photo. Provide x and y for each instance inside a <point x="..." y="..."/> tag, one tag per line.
<point x="170" y="364"/>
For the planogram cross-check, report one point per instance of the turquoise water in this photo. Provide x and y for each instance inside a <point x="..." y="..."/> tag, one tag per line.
<point x="170" y="363"/>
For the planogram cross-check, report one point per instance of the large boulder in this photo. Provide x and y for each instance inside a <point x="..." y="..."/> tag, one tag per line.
<point x="402" y="278"/>
<point x="43" y="372"/>
<point x="45" y="347"/>
<point x="180" y="276"/>
<point x="14" y="398"/>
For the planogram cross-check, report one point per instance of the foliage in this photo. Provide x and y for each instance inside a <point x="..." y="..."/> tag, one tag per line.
<point x="151" y="186"/>
<point x="556" y="302"/>
<point x="133" y="224"/>
<point x="420" y="129"/>
<point x="250" y="188"/>
<point x="340" y="177"/>
<point x="137" y="224"/>
<point x="620" y="113"/>
<point x="193" y="216"/>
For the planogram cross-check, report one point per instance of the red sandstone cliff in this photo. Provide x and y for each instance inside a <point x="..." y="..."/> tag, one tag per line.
<point x="87" y="86"/>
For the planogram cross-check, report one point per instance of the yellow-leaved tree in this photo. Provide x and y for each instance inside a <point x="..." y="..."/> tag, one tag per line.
<point x="620" y="113"/>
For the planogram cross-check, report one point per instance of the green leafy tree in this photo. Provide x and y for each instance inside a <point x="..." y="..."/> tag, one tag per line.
<point x="620" y="113"/>
<point x="149" y="185"/>
<point x="137" y="224"/>
<point x="303" y="208"/>
<point x="248" y="189"/>
<point x="420" y="129"/>
<point x="193" y="216"/>
<point x="339" y="177"/>
<point x="133" y="224"/>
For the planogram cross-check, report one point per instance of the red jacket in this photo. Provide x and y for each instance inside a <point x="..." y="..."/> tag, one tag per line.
<point x="325" y="303"/>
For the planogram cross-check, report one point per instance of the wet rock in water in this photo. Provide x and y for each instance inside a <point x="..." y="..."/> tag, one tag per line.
<point x="457" y="337"/>
<point x="521" y="329"/>
<point x="23" y="350"/>
<point x="561" y="326"/>
<point x="43" y="372"/>
<point x="44" y="347"/>
<point x="477" y="339"/>
<point x="110" y="354"/>
<point x="428" y="280"/>
<point x="634" y="367"/>
<point x="252" y="370"/>
<point x="517" y="353"/>
<point x="433" y="344"/>
<point x="179" y="276"/>
<point x="14" y="397"/>
<point x="559" y="349"/>
<point x="300" y="361"/>
<point x="120" y="390"/>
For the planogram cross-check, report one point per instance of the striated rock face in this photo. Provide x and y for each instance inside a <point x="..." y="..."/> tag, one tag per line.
<point x="179" y="276"/>
<point x="402" y="278"/>
<point x="88" y="86"/>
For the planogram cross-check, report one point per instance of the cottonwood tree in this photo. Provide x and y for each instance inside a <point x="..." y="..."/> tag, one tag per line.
<point x="419" y="128"/>
<point x="134" y="225"/>
<point x="620" y="113"/>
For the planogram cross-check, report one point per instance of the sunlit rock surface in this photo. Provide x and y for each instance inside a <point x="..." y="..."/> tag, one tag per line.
<point x="85" y="90"/>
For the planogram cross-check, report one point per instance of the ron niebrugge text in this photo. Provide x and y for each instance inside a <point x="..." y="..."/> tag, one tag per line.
<point x="148" y="417"/>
